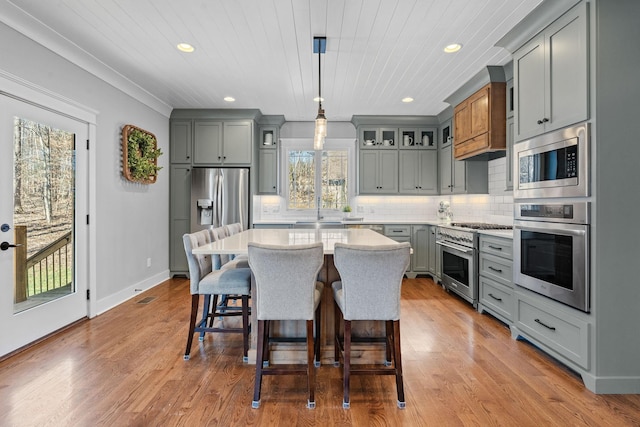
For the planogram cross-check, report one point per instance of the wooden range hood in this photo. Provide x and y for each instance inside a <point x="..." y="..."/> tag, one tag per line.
<point x="479" y="120"/>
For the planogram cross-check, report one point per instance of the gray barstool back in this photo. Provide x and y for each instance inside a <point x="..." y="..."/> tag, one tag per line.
<point x="286" y="288"/>
<point x="369" y="289"/>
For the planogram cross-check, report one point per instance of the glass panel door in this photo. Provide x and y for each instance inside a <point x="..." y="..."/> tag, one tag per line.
<point x="44" y="184"/>
<point x="43" y="213"/>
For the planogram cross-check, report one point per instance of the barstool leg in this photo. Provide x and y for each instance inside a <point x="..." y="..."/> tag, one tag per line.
<point x="245" y="327"/>
<point x="259" y="360"/>
<point x="317" y="344"/>
<point x="398" y="363"/>
<point x="347" y="363"/>
<point x="336" y="334"/>
<point x="195" y="300"/>
<point x="388" y="327"/>
<point x="311" y="402"/>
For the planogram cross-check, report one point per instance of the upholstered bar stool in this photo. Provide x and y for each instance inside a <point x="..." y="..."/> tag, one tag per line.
<point x="211" y="283"/>
<point x="369" y="289"/>
<point x="236" y="261"/>
<point x="286" y="289"/>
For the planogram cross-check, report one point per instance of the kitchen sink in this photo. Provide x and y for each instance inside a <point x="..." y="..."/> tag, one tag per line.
<point x="318" y="224"/>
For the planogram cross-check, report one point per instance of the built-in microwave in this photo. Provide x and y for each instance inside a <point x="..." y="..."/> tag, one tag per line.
<point x="551" y="256"/>
<point x="553" y="165"/>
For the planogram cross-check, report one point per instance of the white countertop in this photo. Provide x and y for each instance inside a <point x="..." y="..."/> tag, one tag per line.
<point x="237" y="243"/>
<point x="346" y="222"/>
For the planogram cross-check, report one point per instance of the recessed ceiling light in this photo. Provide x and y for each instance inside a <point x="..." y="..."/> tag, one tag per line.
<point x="185" y="47"/>
<point x="318" y="99"/>
<point x="229" y="98"/>
<point x="453" y="47"/>
<point x="407" y="99"/>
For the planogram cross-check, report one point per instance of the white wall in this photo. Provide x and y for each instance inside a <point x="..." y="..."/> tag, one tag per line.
<point x="132" y="219"/>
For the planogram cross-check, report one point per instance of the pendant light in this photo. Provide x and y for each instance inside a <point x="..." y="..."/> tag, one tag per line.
<point x="319" y="47"/>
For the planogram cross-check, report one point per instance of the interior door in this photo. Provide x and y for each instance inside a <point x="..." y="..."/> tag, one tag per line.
<point x="43" y="231"/>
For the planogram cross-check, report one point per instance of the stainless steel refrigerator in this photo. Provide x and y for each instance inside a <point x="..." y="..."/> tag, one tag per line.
<point x="219" y="196"/>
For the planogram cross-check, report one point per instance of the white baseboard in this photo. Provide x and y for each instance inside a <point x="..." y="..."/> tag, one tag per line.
<point x="132" y="291"/>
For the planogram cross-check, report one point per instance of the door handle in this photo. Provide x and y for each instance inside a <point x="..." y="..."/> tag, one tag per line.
<point x="6" y="245"/>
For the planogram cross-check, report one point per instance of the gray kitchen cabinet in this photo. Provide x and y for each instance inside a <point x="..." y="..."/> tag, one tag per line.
<point x="551" y="76"/>
<point x="434" y="254"/>
<point x="378" y="137"/>
<point x="179" y="212"/>
<point x="401" y="233"/>
<point x="268" y="137"/>
<point x="268" y="171"/>
<point x="378" y="172"/>
<point x="418" y="138"/>
<point x="268" y="159"/>
<point x="554" y="327"/>
<point x="461" y="176"/>
<point x="222" y="143"/>
<point x="422" y="242"/>
<point x="496" y="295"/>
<point x="509" y="157"/>
<point x="509" y="94"/>
<point x="420" y="245"/>
<point x="207" y="142"/>
<point x="418" y="172"/>
<point x="180" y="141"/>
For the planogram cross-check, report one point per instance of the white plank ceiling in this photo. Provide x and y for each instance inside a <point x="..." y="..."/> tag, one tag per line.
<point x="260" y="51"/>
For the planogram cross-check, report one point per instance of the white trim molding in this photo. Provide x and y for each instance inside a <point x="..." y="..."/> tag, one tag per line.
<point x="19" y="20"/>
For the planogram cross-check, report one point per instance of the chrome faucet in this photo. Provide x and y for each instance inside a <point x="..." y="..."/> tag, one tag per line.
<point x="319" y="217"/>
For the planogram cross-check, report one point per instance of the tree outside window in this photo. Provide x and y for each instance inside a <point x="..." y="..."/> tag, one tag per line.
<point x="318" y="175"/>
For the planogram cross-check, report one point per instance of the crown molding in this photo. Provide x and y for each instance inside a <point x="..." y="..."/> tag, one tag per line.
<point x="20" y="21"/>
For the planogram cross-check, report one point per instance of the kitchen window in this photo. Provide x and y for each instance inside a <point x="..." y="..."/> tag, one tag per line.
<point x="312" y="176"/>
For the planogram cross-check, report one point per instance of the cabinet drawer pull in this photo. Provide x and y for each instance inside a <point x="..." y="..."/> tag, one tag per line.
<point x="497" y="248"/>
<point x="495" y="297"/>
<point x="497" y="270"/>
<point x="538" y="321"/>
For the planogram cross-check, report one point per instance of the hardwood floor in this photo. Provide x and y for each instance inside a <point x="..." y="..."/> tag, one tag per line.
<point x="125" y="368"/>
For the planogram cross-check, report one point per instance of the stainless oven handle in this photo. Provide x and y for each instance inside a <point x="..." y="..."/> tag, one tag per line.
<point x="462" y="249"/>
<point x="547" y="227"/>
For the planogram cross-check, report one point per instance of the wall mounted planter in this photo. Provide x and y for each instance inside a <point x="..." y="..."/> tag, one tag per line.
<point x="140" y="154"/>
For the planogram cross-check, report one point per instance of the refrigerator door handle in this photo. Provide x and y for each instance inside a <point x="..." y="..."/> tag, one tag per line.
<point x="218" y="198"/>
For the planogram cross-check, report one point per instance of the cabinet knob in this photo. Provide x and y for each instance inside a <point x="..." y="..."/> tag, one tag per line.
<point x="539" y="122"/>
<point x="545" y="120"/>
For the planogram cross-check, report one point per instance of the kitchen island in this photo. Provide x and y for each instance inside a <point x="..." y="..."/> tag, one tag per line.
<point x="286" y="352"/>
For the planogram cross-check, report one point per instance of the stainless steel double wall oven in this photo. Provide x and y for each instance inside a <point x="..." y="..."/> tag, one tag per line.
<point x="552" y="216"/>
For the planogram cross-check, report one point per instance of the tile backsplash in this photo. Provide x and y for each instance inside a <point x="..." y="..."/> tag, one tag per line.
<point x="495" y="207"/>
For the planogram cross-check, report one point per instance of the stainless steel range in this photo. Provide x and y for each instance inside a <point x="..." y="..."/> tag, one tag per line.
<point x="458" y="243"/>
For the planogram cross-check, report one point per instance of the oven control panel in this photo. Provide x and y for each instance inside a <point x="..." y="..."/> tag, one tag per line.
<point x="576" y="213"/>
<point x="457" y="236"/>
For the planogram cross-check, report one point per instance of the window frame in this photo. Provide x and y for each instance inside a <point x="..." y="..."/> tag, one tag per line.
<point x="306" y="144"/>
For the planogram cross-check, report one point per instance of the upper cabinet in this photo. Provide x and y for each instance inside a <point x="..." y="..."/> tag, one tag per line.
<point x="551" y="76"/>
<point x="180" y="141"/>
<point x="268" y="158"/>
<point x="419" y="172"/>
<point x="378" y="172"/>
<point x="420" y="138"/>
<point x="222" y="143"/>
<point x="378" y="137"/>
<point x="480" y="122"/>
<point x="211" y="137"/>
